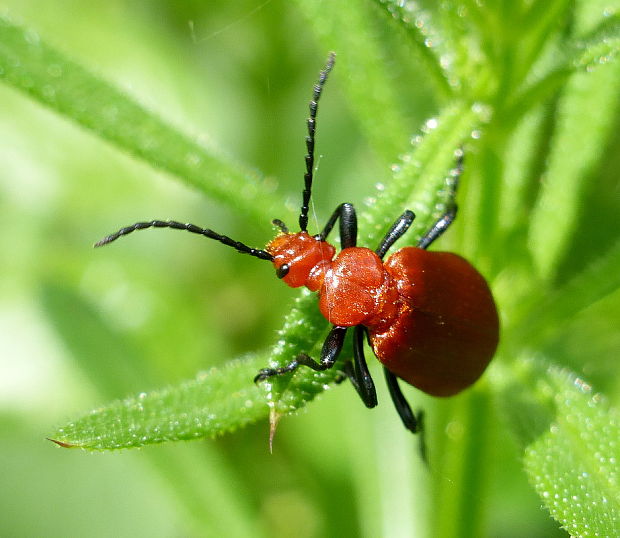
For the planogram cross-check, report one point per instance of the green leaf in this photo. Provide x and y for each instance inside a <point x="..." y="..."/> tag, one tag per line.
<point x="29" y="64"/>
<point x="537" y="92"/>
<point x="419" y="179"/>
<point x="423" y="37"/>
<point x="540" y="319"/>
<point x="116" y="366"/>
<point x="600" y="46"/>
<point x="570" y="438"/>
<point x="521" y="152"/>
<point x="216" y="402"/>
<point x="370" y="94"/>
<point x="586" y="116"/>
<point x="543" y="20"/>
<point x="574" y="465"/>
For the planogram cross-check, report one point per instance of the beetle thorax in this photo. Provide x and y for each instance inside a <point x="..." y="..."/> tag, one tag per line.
<point x="354" y="287"/>
<point x="357" y="290"/>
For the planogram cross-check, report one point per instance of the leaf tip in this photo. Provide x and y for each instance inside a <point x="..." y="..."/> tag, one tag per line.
<point x="274" y="419"/>
<point x="63" y="444"/>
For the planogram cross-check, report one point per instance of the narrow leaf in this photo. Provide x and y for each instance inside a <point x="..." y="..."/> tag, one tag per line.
<point x="600" y="46"/>
<point x="573" y="466"/>
<point x="597" y="49"/>
<point x="540" y="321"/>
<point x="543" y="20"/>
<point x="536" y="93"/>
<point x="216" y="402"/>
<point x="423" y="37"/>
<point x="48" y="76"/>
<point x="419" y="179"/>
<point x="588" y="107"/>
<point x="114" y="366"/>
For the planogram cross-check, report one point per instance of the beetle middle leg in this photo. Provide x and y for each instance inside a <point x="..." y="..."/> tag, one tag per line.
<point x="357" y="370"/>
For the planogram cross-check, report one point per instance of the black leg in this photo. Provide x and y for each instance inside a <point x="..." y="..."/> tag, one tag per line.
<point x="422" y="437"/>
<point x="403" y="223"/>
<point x="397" y="230"/>
<point x="329" y="353"/>
<point x="348" y="225"/>
<point x="358" y="372"/>
<point x="405" y="412"/>
<point x="443" y="223"/>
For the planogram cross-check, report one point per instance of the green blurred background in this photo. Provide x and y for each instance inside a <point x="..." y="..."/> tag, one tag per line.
<point x="240" y="75"/>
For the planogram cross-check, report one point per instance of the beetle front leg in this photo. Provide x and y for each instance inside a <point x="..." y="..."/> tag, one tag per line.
<point x="329" y="354"/>
<point x="348" y="225"/>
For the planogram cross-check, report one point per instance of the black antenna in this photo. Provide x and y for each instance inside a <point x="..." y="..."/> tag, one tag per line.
<point x="311" y="122"/>
<point x="244" y="249"/>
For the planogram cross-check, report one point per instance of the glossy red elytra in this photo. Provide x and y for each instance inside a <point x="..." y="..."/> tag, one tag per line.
<point x="429" y="317"/>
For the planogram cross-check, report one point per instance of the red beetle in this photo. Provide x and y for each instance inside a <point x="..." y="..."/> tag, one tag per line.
<point x="429" y="317"/>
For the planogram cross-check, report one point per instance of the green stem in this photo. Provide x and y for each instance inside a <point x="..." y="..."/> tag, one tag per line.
<point x="461" y="467"/>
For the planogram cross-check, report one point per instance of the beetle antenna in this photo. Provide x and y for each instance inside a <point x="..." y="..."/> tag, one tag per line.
<point x="311" y="122"/>
<point x="240" y="247"/>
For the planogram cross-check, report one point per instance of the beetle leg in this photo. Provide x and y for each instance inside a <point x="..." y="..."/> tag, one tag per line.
<point x="443" y="223"/>
<point x="397" y="230"/>
<point x="329" y="353"/>
<point x="403" y="222"/>
<point x="348" y="225"/>
<point x="439" y="227"/>
<point x="405" y="412"/>
<point x="357" y="371"/>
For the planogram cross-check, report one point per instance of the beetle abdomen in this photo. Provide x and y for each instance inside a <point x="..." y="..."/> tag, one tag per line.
<point x="447" y="329"/>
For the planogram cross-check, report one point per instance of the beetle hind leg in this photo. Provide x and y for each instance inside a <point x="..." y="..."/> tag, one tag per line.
<point x="444" y="222"/>
<point x="408" y="417"/>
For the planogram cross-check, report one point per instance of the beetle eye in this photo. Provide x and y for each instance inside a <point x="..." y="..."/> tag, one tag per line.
<point x="282" y="271"/>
